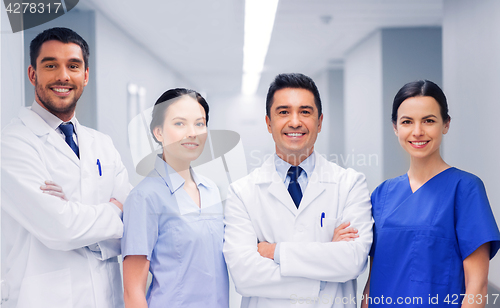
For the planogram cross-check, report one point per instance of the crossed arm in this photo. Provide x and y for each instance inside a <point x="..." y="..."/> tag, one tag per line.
<point x="59" y="224"/>
<point x="341" y="233"/>
<point x="53" y="189"/>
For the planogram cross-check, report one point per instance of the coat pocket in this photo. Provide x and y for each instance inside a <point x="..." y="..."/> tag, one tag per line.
<point x="106" y="181"/>
<point x="325" y="228"/>
<point x="46" y="290"/>
<point x="430" y="261"/>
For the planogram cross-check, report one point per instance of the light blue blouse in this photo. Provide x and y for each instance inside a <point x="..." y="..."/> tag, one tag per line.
<point x="182" y="241"/>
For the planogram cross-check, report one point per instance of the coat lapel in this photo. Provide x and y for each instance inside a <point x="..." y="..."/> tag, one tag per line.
<point x="312" y="192"/>
<point x="279" y="191"/>
<point x="40" y="128"/>
<point x="86" y="144"/>
<point x="322" y="174"/>
<point x="88" y="163"/>
<point x="268" y="176"/>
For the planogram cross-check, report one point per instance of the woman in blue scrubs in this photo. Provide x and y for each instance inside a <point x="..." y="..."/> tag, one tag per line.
<point x="434" y="231"/>
<point x="173" y="223"/>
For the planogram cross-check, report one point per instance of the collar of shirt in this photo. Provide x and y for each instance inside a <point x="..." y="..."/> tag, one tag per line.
<point x="51" y="119"/>
<point x="173" y="180"/>
<point x="307" y="165"/>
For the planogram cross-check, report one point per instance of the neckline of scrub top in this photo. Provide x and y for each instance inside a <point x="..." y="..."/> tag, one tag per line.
<point x="172" y="179"/>
<point x="429" y="180"/>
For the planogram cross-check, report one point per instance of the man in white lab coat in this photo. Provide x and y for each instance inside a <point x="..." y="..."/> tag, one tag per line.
<point x="63" y="186"/>
<point x="280" y="245"/>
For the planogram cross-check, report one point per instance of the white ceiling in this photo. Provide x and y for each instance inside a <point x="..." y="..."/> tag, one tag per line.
<point x="203" y="39"/>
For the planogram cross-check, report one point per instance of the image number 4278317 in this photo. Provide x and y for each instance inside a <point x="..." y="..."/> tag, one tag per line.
<point x="26" y="14"/>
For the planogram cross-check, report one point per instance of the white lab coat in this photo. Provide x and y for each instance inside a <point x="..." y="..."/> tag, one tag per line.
<point x="47" y="259"/>
<point x="259" y="208"/>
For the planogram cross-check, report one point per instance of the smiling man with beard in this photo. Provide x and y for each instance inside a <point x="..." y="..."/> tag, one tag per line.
<point x="57" y="90"/>
<point x="60" y="242"/>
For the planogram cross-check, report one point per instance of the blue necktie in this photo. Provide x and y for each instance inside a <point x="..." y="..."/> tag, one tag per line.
<point x="68" y="129"/>
<point x="293" y="186"/>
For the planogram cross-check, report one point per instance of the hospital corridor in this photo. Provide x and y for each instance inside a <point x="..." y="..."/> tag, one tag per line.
<point x="248" y="75"/>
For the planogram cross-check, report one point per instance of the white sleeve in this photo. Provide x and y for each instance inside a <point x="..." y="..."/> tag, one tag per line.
<point x="335" y="261"/>
<point x="60" y="225"/>
<point x="106" y="249"/>
<point x="254" y="275"/>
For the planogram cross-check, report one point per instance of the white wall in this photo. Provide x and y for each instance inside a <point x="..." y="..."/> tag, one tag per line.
<point x="12" y="71"/>
<point x="336" y="114"/>
<point x="246" y="116"/>
<point x="363" y="109"/>
<point x="322" y="145"/>
<point x="363" y="115"/>
<point x="471" y="66"/>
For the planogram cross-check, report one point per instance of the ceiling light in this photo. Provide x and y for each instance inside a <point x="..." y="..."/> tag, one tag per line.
<point x="259" y="22"/>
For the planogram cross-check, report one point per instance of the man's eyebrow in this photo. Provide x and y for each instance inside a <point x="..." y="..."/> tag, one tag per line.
<point x="75" y="60"/>
<point x="306" y="107"/>
<point x="282" y="107"/>
<point x="48" y="59"/>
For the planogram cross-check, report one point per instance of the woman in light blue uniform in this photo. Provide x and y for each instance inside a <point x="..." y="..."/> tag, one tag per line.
<point x="434" y="230"/>
<point x="173" y="222"/>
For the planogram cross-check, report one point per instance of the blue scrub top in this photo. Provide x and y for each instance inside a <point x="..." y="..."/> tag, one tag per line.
<point x="422" y="238"/>
<point x="182" y="241"/>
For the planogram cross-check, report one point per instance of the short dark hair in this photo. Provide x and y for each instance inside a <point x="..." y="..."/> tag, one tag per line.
<point x="167" y="99"/>
<point x="294" y="81"/>
<point x="420" y="88"/>
<point x="63" y="35"/>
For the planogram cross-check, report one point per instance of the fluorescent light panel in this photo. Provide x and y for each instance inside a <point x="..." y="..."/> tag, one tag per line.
<point x="259" y="22"/>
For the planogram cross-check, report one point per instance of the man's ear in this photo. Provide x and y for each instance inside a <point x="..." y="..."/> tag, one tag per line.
<point x="320" y="123"/>
<point x="86" y="77"/>
<point x="268" y="122"/>
<point x="32" y="74"/>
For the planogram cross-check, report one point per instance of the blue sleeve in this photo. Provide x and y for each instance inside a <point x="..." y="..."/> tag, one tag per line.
<point x="474" y="221"/>
<point x="140" y="225"/>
